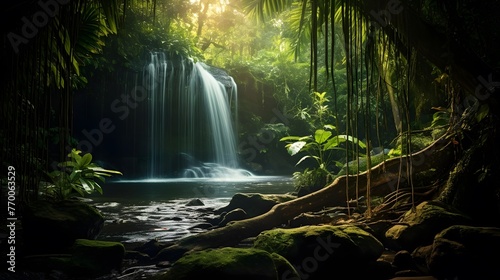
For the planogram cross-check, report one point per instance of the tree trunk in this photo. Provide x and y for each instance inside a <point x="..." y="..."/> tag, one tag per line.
<point x="473" y="186"/>
<point x="383" y="180"/>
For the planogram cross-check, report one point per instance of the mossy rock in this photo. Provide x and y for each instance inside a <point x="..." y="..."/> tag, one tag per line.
<point x="54" y="226"/>
<point x="344" y="241"/>
<point x="315" y="250"/>
<point x="466" y="252"/>
<point x="97" y="257"/>
<point x="87" y="258"/>
<point x="230" y="263"/>
<point x="418" y="227"/>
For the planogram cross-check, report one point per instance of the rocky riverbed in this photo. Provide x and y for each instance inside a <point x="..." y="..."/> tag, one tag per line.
<point x="430" y="241"/>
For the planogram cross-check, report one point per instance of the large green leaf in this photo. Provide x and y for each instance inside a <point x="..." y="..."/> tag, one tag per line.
<point x="338" y="139"/>
<point x="84" y="183"/>
<point x="320" y="136"/>
<point x="85" y="160"/>
<point x="294" y="148"/>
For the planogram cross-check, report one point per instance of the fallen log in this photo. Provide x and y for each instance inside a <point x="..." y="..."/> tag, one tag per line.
<point x="383" y="180"/>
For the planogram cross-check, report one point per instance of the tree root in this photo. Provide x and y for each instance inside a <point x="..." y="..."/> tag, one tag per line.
<point x="384" y="179"/>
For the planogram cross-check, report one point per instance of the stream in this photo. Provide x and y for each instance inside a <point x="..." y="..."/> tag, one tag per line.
<point x="137" y="211"/>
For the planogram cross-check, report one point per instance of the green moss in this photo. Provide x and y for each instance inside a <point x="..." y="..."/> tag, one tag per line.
<point x="423" y="223"/>
<point x="363" y="163"/>
<point x="295" y="243"/>
<point x="419" y="141"/>
<point x="225" y="263"/>
<point x="97" y="257"/>
<point x="284" y="268"/>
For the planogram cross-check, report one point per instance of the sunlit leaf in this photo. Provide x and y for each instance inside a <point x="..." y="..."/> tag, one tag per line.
<point x="329" y="126"/>
<point x="294" y="148"/>
<point x="291" y="138"/>
<point x="78" y="189"/>
<point x="86" y="159"/>
<point x="86" y="186"/>
<point x="338" y="139"/>
<point x="99" y="170"/>
<point x="321" y="135"/>
<point x="303" y="158"/>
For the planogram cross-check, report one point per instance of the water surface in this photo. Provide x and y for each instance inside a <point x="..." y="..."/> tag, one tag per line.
<point x="137" y="211"/>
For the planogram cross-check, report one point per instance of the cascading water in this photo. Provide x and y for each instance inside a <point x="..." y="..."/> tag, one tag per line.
<point x="190" y="123"/>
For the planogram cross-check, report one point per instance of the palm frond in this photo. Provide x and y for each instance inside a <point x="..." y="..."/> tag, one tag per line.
<point x="264" y="9"/>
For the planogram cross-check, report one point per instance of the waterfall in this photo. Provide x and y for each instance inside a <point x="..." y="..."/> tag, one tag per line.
<point x="191" y="131"/>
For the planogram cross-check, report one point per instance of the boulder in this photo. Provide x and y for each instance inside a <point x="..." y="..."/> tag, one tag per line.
<point x="233" y="215"/>
<point x="420" y="256"/>
<point x="254" y="204"/>
<point x="403" y="260"/>
<point x="93" y="257"/>
<point x="195" y="202"/>
<point x="418" y="227"/>
<point x="321" y="250"/>
<point x="86" y="259"/>
<point x="466" y="252"/>
<point x="53" y="226"/>
<point x="230" y="263"/>
<point x="152" y="247"/>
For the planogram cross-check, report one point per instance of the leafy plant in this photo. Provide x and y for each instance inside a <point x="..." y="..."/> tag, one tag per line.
<point x="77" y="177"/>
<point x="319" y="145"/>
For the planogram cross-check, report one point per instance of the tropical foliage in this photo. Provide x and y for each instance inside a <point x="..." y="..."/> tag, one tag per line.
<point x="78" y="176"/>
<point x="382" y="82"/>
<point x="45" y="65"/>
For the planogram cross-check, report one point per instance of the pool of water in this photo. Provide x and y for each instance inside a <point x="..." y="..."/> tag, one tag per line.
<point x="137" y="211"/>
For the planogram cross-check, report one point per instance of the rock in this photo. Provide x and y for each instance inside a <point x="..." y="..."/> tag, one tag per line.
<point x="420" y="256"/>
<point x="320" y="250"/>
<point x="195" y="202"/>
<point x="87" y="259"/>
<point x="138" y="256"/>
<point x="92" y="257"/>
<point x="151" y="248"/>
<point x="403" y="260"/>
<point x="50" y="227"/>
<point x="284" y="269"/>
<point x="233" y="215"/>
<point x="466" y="252"/>
<point x="230" y="263"/>
<point x="254" y="204"/>
<point x="379" y="270"/>
<point x="418" y="228"/>
<point x="407" y="273"/>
